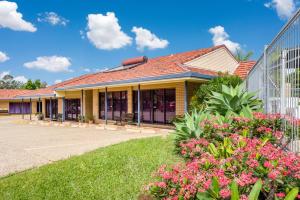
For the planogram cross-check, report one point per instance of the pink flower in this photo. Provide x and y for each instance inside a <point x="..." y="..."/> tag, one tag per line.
<point x="243" y="197"/>
<point x="280" y="195"/>
<point x="207" y="184"/>
<point x="224" y="193"/>
<point x="267" y="164"/>
<point x="273" y="174"/>
<point x="161" y="184"/>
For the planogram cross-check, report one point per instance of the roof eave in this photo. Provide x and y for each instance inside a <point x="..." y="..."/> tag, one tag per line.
<point x="141" y="80"/>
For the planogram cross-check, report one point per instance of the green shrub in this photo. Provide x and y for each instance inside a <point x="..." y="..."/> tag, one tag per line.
<point x="234" y="100"/>
<point x="198" y="101"/>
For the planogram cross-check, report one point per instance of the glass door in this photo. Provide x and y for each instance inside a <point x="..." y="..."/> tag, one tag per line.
<point x="72" y="109"/>
<point x="158" y="106"/>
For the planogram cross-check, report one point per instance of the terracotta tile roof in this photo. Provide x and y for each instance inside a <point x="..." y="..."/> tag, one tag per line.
<point x="11" y="93"/>
<point x="49" y="91"/>
<point x="154" y="67"/>
<point x="244" y="68"/>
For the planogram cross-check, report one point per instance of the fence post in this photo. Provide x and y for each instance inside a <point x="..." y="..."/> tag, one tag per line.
<point x="283" y="83"/>
<point x="265" y="67"/>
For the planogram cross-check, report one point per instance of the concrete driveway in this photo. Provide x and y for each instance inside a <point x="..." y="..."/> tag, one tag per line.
<point x="23" y="146"/>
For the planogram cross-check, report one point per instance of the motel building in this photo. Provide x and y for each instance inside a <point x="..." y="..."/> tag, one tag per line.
<point x="145" y="90"/>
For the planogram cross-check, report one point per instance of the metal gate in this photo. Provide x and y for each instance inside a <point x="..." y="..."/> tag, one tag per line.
<point x="276" y="77"/>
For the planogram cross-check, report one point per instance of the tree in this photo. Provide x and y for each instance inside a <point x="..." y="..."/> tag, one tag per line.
<point x="241" y="56"/>
<point x="30" y="85"/>
<point x="8" y="82"/>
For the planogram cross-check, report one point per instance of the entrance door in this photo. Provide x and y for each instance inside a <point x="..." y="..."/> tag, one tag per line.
<point x="72" y="109"/>
<point x="158" y="106"/>
<point x="54" y="106"/>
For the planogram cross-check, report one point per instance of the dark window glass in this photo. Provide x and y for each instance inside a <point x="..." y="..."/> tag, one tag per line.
<point x="39" y="107"/>
<point x="109" y="106"/>
<point x="19" y="108"/>
<point x="54" y="108"/>
<point x="170" y="99"/>
<point x="72" y="109"/>
<point x="102" y="105"/>
<point x="146" y="106"/>
<point x="124" y="107"/>
<point x="116" y="105"/>
<point x="157" y="106"/>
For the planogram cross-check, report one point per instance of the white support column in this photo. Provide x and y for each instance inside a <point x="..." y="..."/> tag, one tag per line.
<point x="139" y="105"/>
<point x="63" y="109"/>
<point x="50" y="108"/>
<point x="106" y="105"/>
<point x="283" y="83"/>
<point x="22" y="108"/>
<point x="185" y="97"/>
<point x="30" y="105"/>
<point x="81" y="104"/>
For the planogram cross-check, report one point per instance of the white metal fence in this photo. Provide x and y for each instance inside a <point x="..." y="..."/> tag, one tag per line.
<point x="276" y="78"/>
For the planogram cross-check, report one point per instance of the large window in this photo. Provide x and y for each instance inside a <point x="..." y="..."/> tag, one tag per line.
<point x="19" y="108"/>
<point x="157" y="106"/>
<point x="39" y="107"/>
<point x="54" y="106"/>
<point x="72" y="109"/>
<point x="116" y="105"/>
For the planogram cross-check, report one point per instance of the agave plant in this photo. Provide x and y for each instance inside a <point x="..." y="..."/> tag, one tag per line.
<point x="233" y="101"/>
<point x="188" y="127"/>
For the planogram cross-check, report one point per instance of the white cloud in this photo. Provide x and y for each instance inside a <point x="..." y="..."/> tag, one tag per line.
<point x="220" y="37"/>
<point x="21" y="79"/>
<point x="50" y="63"/>
<point x="105" y="32"/>
<point x="52" y="18"/>
<point x="87" y="70"/>
<point x="284" y="8"/>
<point x="57" y="81"/>
<point x="82" y="34"/>
<point x="2" y="74"/>
<point x="145" y="39"/>
<point x="3" y="57"/>
<point x="10" y="18"/>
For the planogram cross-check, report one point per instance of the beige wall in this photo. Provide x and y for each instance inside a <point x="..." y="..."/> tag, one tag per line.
<point x="91" y="97"/>
<point x="44" y="107"/>
<point x="59" y="105"/>
<point x="219" y="60"/>
<point x="179" y="86"/>
<point x="4" y="105"/>
<point x="96" y="105"/>
<point x="88" y="104"/>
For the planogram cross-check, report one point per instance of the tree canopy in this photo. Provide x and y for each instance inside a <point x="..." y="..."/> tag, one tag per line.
<point x="8" y="82"/>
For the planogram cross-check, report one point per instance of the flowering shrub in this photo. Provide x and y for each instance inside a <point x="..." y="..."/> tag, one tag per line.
<point x="243" y="151"/>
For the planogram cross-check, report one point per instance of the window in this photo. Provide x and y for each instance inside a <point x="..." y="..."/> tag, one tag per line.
<point x="116" y="105"/>
<point x="72" y="109"/>
<point x="54" y="108"/>
<point x="157" y="106"/>
<point x="39" y="107"/>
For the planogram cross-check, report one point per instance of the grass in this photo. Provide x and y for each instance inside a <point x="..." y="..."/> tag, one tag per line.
<point x="114" y="172"/>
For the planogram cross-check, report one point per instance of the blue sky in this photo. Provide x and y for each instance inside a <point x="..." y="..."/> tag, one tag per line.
<point x="60" y="39"/>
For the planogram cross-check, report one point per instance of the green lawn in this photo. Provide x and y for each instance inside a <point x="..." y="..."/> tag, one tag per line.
<point x="114" y="172"/>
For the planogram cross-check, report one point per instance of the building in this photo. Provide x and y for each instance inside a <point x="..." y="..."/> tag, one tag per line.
<point x="153" y="90"/>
